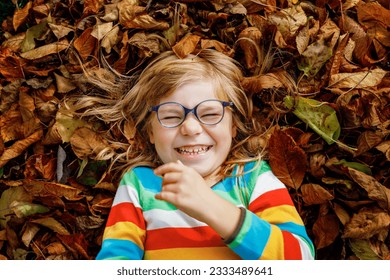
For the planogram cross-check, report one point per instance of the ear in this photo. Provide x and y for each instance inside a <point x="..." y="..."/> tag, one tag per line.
<point x="234" y="130"/>
<point x="151" y="136"/>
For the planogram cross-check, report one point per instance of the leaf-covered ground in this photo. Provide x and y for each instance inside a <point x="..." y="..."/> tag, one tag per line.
<point x="325" y="97"/>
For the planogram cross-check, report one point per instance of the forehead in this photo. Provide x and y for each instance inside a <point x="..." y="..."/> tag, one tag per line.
<point x="192" y="93"/>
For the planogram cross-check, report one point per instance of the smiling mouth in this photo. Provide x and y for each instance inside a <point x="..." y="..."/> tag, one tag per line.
<point x="198" y="150"/>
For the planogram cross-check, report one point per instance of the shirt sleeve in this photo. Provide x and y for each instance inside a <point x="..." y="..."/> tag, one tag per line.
<point x="272" y="228"/>
<point x="124" y="234"/>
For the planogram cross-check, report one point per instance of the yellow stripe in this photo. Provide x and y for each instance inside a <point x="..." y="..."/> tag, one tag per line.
<point x="125" y="231"/>
<point x="215" y="253"/>
<point x="274" y="250"/>
<point x="281" y="214"/>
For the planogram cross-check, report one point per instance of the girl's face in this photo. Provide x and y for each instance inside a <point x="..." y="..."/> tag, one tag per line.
<point x="202" y="147"/>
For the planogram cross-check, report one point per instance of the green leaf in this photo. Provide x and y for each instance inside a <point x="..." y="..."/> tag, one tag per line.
<point x="362" y="249"/>
<point x="33" y="33"/>
<point x="355" y="165"/>
<point x="317" y="115"/>
<point x="9" y="196"/>
<point x="24" y="209"/>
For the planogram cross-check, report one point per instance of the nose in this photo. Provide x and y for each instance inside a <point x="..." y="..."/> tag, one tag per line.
<point x="191" y="126"/>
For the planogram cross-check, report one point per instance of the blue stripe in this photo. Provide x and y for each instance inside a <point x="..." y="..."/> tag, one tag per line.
<point x="251" y="247"/>
<point x="294" y="229"/>
<point x="119" y="249"/>
<point x="148" y="179"/>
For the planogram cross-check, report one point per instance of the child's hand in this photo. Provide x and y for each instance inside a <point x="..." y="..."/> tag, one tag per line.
<point x="185" y="188"/>
<point x="188" y="191"/>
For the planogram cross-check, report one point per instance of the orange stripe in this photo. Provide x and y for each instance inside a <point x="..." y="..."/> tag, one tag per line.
<point x="182" y="237"/>
<point x="271" y="199"/>
<point x="292" y="250"/>
<point x="214" y="253"/>
<point x="126" y="212"/>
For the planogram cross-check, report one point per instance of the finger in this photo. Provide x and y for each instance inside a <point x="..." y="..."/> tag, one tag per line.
<point x="171" y="187"/>
<point x="171" y="177"/>
<point x="166" y="196"/>
<point x="168" y="167"/>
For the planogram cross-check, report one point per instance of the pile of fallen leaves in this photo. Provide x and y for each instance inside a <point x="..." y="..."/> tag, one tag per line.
<point x="329" y="144"/>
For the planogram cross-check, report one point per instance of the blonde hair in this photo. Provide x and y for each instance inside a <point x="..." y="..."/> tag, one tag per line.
<point x="160" y="78"/>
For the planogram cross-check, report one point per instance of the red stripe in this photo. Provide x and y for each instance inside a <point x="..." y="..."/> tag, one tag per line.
<point x="292" y="250"/>
<point x="271" y="199"/>
<point x="126" y="212"/>
<point x="167" y="238"/>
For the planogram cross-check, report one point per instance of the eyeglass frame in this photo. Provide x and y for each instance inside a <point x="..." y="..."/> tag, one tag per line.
<point x="193" y="110"/>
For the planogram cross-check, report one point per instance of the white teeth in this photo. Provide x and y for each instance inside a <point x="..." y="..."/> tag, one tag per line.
<point x="192" y="150"/>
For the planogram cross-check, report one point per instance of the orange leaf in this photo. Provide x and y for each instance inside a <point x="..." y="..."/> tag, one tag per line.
<point x="86" y="43"/>
<point x="186" y="45"/>
<point x="19" y="147"/>
<point x="20" y="16"/>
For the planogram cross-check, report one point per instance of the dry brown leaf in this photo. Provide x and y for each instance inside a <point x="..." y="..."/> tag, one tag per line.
<point x="325" y="229"/>
<point x="341" y="213"/>
<point x="96" y="143"/>
<point x="249" y="40"/>
<point x="52" y="224"/>
<point x="288" y="161"/>
<point x="20" y="16"/>
<point x="63" y="84"/>
<point x="56" y="248"/>
<point x="19" y="147"/>
<point x="358" y="80"/>
<point x="367" y="223"/>
<point x="40" y="188"/>
<point x="256" y="84"/>
<point x="315" y="194"/>
<point x="10" y="65"/>
<point x="375" y="190"/>
<point x="186" y="45"/>
<point x="29" y="233"/>
<point x="53" y="48"/>
<point x="133" y="16"/>
<point x="85" y="44"/>
<point x="92" y="6"/>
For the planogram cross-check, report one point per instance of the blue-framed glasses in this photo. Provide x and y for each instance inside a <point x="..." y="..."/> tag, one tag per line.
<point x="208" y="112"/>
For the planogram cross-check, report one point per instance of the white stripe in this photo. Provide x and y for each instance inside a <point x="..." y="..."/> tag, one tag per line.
<point x="305" y="250"/>
<point x="266" y="182"/>
<point x="158" y="218"/>
<point x="126" y="193"/>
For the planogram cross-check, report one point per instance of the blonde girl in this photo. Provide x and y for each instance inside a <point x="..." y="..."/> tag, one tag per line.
<point x="194" y="184"/>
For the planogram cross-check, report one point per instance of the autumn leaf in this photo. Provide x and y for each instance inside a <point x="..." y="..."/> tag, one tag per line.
<point x="325" y="229"/>
<point x="20" y="15"/>
<point x="45" y="50"/>
<point x="287" y="160"/>
<point x="318" y="116"/>
<point x="367" y="223"/>
<point x="315" y="194"/>
<point x="52" y="224"/>
<point x="333" y="58"/>
<point x="186" y="45"/>
<point x="375" y="190"/>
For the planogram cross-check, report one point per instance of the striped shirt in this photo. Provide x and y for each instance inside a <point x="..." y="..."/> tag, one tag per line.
<point x="141" y="227"/>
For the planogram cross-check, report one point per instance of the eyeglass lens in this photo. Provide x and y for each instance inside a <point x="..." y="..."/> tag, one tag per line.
<point x="207" y="112"/>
